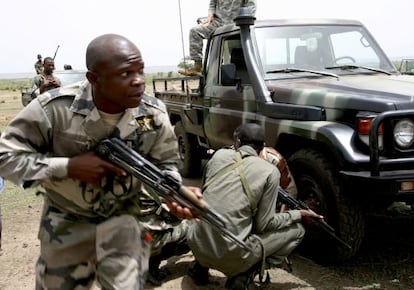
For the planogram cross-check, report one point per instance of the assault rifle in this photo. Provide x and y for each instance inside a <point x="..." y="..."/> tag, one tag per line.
<point x="297" y="204"/>
<point x="115" y="151"/>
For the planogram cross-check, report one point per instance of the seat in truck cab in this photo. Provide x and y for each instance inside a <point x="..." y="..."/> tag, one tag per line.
<point x="308" y="59"/>
<point x="237" y="58"/>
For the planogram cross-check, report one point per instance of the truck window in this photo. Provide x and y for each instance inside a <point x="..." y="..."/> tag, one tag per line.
<point x="362" y="52"/>
<point x="317" y="48"/>
<point x="232" y="52"/>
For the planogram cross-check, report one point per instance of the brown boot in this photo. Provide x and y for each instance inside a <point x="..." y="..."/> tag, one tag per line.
<point x="194" y="71"/>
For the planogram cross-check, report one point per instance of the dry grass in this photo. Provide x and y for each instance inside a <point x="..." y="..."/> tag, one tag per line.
<point x="10" y="105"/>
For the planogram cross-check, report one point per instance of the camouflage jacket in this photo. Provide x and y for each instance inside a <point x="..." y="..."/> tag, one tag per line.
<point x="226" y="10"/>
<point x="40" y="79"/>
<point x="63" y="123"/>
<point x="38" y="67"/>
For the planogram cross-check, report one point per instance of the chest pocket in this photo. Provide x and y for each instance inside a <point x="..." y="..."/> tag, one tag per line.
<point x="147" y="133"/>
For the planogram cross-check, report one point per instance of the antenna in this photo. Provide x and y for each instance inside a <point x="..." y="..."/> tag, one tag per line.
<point x="182" y="37"/>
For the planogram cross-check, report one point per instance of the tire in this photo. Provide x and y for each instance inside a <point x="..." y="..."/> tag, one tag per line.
<point x="318" y="187"/>
<point x="189" y="151"/>
<point x="26" y="99"/>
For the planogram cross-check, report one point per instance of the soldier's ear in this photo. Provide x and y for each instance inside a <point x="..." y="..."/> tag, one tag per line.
<point x="92" y="76"/>
<point x="237" y="143"/>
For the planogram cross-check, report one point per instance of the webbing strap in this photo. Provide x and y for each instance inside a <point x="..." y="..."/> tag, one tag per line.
<point x="253" y="204"/>
<point x="221" y="172"/>
<point x="246" y="187"/>
<point x="245" y="184"/>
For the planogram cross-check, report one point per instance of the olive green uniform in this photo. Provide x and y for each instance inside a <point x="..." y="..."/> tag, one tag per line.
<point x="272" y="235"/>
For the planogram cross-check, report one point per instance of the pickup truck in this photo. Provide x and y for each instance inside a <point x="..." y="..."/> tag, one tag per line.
<point x="330" y="101"/>
<point x="407" y="66"/>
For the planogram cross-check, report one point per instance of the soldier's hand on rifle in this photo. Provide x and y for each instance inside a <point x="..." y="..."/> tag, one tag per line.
<point x="52" y="81"/>
<point x="309" y="217"/>
<point x="185" y="212"/>
<point x="90" y="168"/>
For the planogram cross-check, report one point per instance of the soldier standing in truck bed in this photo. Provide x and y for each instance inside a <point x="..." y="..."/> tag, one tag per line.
<point x="38" y="65"/>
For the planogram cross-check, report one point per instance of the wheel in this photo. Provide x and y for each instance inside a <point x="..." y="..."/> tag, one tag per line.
<point x="318" y="188"/>
<point x="189" y="151"/>
<point x="26" y="99"/>
<point x="345" y="57"/>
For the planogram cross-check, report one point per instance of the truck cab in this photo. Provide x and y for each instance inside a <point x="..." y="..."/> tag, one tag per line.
<point x="329" y="100"/>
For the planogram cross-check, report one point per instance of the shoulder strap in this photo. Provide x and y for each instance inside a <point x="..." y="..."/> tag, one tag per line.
<point x="246" y="188"/>
<point x="223" y="171"/>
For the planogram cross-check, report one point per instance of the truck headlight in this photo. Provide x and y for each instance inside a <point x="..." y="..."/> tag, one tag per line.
<point x="404" y="133"/>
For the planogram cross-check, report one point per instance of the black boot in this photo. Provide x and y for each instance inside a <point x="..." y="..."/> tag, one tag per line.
<point x="243" y="280"/>
<point x="198" y="273"/>
<point x="156" y="276"/>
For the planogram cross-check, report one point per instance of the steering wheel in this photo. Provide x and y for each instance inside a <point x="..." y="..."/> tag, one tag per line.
<point x="345" y="57"/>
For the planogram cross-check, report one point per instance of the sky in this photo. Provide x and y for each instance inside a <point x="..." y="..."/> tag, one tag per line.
<point x="160" y="28"/>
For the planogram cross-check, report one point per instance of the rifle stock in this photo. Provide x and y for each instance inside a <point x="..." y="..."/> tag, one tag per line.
<point x="115" y="151"/>
<point x="297" y="204"/>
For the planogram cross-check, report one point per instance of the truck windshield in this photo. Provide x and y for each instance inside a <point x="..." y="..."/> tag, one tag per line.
<point x="322" y="48"/>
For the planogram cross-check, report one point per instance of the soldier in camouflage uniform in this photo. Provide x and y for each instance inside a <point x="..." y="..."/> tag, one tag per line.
<point x="220" y="12"/>
<point x="38" y="65"/>
<point x="90" y="227"/>
<point x="45" y="80"/>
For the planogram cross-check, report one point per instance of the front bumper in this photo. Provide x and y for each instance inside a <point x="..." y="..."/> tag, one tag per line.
<point x="396" y="185"/>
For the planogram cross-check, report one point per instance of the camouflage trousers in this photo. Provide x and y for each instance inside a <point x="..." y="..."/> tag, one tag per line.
<point x="175" y="235"/>
<point x="197" y="34"/>
<point x="75" y="252"/>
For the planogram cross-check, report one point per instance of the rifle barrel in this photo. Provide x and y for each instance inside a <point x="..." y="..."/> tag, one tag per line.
<point x="131" y="161"/>
<point x="298" y="204"/>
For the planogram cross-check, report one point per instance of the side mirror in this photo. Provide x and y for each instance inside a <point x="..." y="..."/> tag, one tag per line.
<point x="228" y="74"/>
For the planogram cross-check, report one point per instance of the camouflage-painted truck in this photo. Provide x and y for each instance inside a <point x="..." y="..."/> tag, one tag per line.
<point x="330" y="101"/>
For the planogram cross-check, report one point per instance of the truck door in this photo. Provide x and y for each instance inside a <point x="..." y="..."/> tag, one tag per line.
<point x="230" y="104"/>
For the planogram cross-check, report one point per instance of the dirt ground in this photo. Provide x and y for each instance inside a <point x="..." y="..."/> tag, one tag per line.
<point x="385" y="260"/>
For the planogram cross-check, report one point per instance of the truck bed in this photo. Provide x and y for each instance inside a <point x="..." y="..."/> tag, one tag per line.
<point x="179" y="91"/>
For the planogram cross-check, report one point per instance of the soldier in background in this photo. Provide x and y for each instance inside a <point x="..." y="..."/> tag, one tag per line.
<point x="220" y="12"/>
<point x="287" y="182"/>
<point x="38" y="65"/>
<point x="46" y="80"/>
